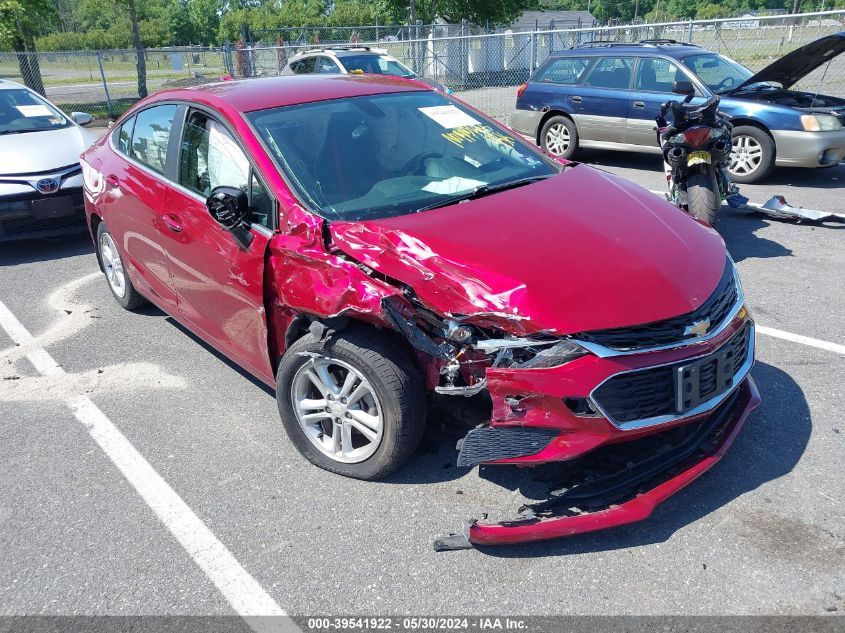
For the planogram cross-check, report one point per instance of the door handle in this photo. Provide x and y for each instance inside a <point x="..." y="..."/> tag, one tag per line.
<point x="112" y="181"/>
<point x="576" y="99"/>
<point x="172" y="222"/>
<point x="639" y="104"/>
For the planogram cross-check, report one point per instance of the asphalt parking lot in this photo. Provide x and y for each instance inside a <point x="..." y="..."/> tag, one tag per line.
<point x="183" y="495"/>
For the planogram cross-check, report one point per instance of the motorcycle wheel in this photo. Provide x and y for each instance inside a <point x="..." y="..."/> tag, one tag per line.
<point x="703" y="197"/>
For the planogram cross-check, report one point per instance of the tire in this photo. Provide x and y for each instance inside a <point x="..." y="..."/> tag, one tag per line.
<point x="112" y="265"/>
<point x="559" y="137"/>
<point x="752" y="156"/>
<point x="703" y="197"/>
<point x="392" y="391"/>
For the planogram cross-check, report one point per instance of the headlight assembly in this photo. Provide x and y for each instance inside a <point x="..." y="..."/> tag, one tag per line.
<point x="820" y="123"/>
<point x="523" y="353"/>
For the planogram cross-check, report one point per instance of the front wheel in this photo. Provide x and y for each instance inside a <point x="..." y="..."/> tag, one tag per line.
<point x="353" y="405"/>
<point x="703" y="197"/>
<point x="752" y="154"/>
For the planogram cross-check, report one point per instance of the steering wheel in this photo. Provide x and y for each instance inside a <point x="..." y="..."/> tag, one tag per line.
<point x="413" y="166"/>
<point x="724" y="83"/>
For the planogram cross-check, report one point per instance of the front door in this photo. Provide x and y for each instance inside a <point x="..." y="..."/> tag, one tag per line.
<point x="652" y="88"/>
<point x="219" y="282"/>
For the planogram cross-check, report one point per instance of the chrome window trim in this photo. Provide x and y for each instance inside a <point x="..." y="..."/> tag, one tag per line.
<point x="715" y="401"/>
<point x="603" y="351"/>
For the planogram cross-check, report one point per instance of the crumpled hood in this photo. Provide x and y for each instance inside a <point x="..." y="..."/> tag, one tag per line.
<point x="33" y="152"/>
<point x="581" y="251"/>
<point x="790" y="68"/>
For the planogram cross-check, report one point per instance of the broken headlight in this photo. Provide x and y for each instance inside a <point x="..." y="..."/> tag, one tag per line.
<point x="525" y="353"/>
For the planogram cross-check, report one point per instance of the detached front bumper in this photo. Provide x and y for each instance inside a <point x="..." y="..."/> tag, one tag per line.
<point x="622" y="483"/>
<point x="809" y="149"/>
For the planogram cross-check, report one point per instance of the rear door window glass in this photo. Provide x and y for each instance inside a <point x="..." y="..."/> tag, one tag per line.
<point x="152" y="135"/>
<point x="611" y="72"/>
<point x="124" y="137"/>
<point x="326" y="66"/>
<point x="567" y="70"/>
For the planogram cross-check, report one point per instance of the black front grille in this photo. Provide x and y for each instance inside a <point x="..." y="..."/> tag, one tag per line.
<point x="28" y="215"/>
<point x="653" y="392"/>
<point x="669" y="331"/>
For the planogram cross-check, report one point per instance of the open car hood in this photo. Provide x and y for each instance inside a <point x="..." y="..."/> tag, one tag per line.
<point x="792" y="67"/>
<point x="584" y="250"/>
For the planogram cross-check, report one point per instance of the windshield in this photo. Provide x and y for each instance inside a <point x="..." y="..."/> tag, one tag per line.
<point x="719" y="73"/>
<point x="391" y="154"/>
<point x="375" y="65"/>
<point x="24" y="111"/>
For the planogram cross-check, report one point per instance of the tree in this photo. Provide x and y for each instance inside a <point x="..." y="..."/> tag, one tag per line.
<point x="139" y="49"/>
<point x="18" y="22"/>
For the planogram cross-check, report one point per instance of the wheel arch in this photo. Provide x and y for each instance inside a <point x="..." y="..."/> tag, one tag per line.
<point x="552" y="113"/>
<point x="94" y="224"/>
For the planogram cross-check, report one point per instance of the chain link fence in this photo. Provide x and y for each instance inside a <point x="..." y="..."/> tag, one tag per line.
<point x="481" y="68"/>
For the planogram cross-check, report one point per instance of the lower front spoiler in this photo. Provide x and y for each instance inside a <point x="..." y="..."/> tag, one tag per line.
<point x="692" y="456"/>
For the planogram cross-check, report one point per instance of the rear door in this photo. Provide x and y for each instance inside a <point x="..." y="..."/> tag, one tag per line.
<point x="135" y="190"/>
<point x="219" y="283"/>
<point x="554" y="85"/>
<point x="601" y="101"/>
<point x="652" y="87"/>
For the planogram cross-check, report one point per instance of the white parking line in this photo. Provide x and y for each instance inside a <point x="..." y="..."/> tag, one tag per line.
<point x="240" y="589"/>
<point x="803" y="340"/>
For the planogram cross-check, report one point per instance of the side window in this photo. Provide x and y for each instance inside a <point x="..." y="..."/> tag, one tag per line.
<point x="656" y="75"/>
<point x="211" y="158"/>
<point x="294" y="67"/>
<point x="611" y="72"/>
<point x="567" y="70"/>
<point x="151" y="135"/>
<point x="326" y="66"/>
<point x="124" y="135"/>
<point x="305" y="66"/>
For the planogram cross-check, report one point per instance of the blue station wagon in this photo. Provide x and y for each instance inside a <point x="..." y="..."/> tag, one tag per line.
<point x="607" y="95"/>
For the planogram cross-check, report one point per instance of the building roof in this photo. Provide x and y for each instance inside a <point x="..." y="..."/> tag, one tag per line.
<point x="531" y="20"/>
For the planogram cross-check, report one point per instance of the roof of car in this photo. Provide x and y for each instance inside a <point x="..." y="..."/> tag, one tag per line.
<point x="5" y="84"/>
<point x="665" y="47"/>
<point x="342" y="51"/>
<point x="247" y="95"/>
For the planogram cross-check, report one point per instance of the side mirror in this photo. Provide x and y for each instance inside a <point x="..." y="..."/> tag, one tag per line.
<point x="81" y="118"/>
<point x="683" y="88"/>
<point x="229" y="206"/>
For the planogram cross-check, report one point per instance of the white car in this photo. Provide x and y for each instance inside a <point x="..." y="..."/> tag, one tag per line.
<point x="40" y="176"/>
<point x="351" y="60"/>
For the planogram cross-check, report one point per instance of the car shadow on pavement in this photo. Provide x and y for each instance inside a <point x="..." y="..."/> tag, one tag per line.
<point x="42" y="250"/>
<point x="739" y="232"/>
<point x="768" y="447"/>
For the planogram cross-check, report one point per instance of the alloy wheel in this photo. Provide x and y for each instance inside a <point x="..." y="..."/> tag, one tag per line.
<point x="557" y="139"/>
<point x="746" y="155"/>
<point x="112" y="265"/>
<point x="338" y="409"/>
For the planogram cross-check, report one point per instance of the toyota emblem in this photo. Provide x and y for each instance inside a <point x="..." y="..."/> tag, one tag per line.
<point x="47" y="185"/>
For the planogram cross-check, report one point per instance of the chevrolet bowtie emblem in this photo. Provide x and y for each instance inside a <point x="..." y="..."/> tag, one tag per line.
<point x="698" y="328"/>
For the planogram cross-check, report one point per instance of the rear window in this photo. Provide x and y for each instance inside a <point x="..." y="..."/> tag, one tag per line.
<point x="567" y="70"/>
<point x="611" y="72"/>
<point x="152" y="135"/>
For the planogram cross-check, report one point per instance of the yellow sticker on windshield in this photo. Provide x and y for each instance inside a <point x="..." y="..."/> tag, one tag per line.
<point x="471" y="133"/>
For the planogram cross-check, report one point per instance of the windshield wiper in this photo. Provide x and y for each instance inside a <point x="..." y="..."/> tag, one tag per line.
<point x="484" y="190"/>
<point x="13" y="132"/>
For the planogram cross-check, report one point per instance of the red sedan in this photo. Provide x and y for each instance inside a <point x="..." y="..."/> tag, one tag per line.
<point x="365" y="245"/>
